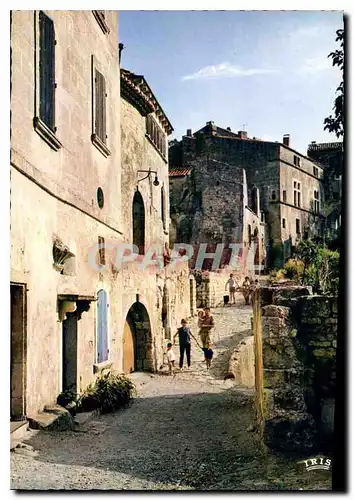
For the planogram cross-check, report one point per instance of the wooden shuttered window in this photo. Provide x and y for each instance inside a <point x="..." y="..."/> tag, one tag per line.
<point x="100" y="111"/>
<point x="47" y="71"/>
<point x="156" y="135"/>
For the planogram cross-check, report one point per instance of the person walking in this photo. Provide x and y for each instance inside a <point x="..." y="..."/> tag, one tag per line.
<point x="206" y="325"/>
<point x="232" y="283"/>
<point x="184" y="337"/>
<point x="246" y="290"/>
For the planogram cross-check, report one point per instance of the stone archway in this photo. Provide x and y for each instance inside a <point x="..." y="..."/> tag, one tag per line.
<point x="137" y="340"/>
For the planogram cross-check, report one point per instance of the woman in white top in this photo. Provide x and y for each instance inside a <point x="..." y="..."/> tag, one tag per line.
<point x="232" y="288"/>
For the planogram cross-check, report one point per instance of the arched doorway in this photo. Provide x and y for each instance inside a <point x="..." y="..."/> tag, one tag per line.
<point x="137" y="340"/>
<point x="139" y="222"/>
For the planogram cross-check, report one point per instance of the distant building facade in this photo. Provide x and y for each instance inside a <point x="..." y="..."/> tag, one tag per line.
<point x="330" y="155"/>
<point x="290" y="184"/>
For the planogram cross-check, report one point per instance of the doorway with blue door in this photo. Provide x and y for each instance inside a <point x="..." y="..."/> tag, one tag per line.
<point x="102" y="347"/>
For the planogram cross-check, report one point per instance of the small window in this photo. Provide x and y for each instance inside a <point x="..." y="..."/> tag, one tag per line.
<point x="297" y="194"/>
<point x="100" y="197"/>
<point x="284" y="195"/>
<point x="296" y="161"/>
<point x="101" y="251"/>
<point x="249" y="234"/>
<point x="315" y="171"/>
<point x="274" y="196"/>
<point x="316" y="205"/>
<point x="283" y="223"/>
<point x="298" y="229"/>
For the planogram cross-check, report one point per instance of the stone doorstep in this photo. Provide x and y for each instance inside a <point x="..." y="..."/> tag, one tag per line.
<point x="53" y="417"/>
<point x="18" y="430"/>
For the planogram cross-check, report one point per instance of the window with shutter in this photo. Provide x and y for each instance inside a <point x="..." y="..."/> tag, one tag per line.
<point x="156" y="135"/>
<point x="46" y="70"/>
<point x="100" y="125"/>
<point x="99" y="119"/>
<point x="44" y="120"/>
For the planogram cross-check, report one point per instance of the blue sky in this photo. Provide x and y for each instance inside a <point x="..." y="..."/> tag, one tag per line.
<point x="266" y="72"/>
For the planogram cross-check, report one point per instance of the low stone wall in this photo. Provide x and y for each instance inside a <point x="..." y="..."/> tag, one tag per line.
<point x="299" y="372"/>
<point x="241" y="363"/>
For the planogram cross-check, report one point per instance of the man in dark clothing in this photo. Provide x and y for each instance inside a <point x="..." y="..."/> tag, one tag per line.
<point x="184" y="337"/>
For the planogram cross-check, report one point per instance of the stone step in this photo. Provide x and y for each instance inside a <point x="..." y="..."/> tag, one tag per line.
<point x="53" y="418"/>
<point x="18" y="430"/>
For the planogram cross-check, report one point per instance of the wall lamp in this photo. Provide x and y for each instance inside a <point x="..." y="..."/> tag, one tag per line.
<point x="149" y="172"/>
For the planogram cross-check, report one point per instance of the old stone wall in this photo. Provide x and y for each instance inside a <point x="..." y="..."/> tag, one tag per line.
<point x="241" y="363"/>
<point x="299" y="348"/>
<point x="211" y="287"/>
<point x="211" y="206"/>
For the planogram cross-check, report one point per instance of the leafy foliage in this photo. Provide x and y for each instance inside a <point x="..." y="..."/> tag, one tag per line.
<point x="335" y="123"/>
<point x="321" y="267"/>
<point x="109" y="392"/>
<point x="66" y="397"/>
<point x="294" y="269"/>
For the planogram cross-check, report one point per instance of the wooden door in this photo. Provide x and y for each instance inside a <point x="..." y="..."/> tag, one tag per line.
<point x="18" y="352"/>
<point x="128" y="349"/>
<point x="69" y="380"/>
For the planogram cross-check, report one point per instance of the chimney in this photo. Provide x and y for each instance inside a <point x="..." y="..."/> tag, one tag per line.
<point x="286" y="140"/>
<point x="120" y="48"/>
<point x="189" y="132"/>
<point x="212" y="127"/>
<point x="242" y="134"/>
<point x="228" y="128"/>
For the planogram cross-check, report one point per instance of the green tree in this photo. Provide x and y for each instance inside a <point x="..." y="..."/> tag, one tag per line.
<point x="335" y="123"/>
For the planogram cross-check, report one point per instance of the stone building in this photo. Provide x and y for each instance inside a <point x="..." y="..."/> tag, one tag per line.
<point x="330" y="156"/>
<point x="290" y="184"/>
<point x="213" y="205"/>
<point x="145" y="214"/>
<point x="72" y="205"/>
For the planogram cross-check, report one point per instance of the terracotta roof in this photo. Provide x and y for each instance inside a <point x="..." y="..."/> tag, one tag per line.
<point x="176" y="172"/>
<point x="135" y="89"/>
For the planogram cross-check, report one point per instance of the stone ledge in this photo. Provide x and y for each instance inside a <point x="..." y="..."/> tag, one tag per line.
<point x="53" y="418"/>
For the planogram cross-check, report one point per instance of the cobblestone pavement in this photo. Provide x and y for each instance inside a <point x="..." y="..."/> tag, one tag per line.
<point x="183" y="432"/>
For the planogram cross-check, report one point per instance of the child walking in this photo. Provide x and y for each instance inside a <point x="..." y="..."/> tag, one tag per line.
<point x="208" y="354"/>
<point x="171" y="358"/>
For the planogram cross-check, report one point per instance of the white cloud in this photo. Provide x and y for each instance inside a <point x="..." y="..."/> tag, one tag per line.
<point x="226" y="70"/>
<point x="315" y="64"/>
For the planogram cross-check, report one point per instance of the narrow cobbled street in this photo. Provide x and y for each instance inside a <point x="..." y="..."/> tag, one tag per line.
<point x="191" y="431"/>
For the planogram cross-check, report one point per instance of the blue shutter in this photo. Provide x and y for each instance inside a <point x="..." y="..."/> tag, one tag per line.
<point x="102" y="334"/>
